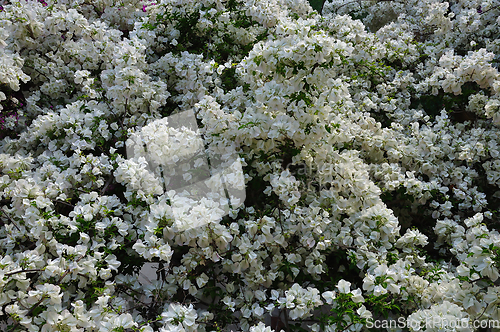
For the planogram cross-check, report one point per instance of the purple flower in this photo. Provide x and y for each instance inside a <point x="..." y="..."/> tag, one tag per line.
<point x="144" y="8"/>
<point x="479" y="10"/>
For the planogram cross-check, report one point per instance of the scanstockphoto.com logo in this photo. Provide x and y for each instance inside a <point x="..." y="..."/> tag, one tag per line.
<point x="203" y="181"/>
<point x="434" y="323"/>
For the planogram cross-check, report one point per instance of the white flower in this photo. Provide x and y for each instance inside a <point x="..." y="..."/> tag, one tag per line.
<point x="202" y="280"/>
<point x="182" y="314"/>
<point x="229" y="302"/>
<point x="80" y="75"/>
<point x="105" y="274"/>
<point x="344" y="286"/>
<point x="356" y="296"/>
<point x="329" y="296"/>
<point x="363" y="312"/>
<point x="261" y="327"/>
<point x="440" y="316"/>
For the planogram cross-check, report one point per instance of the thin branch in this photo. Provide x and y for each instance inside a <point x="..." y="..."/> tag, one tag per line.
<point x="287" y="326"/>
<point x="133" y="296"/>
<point x="347" y="327"/>
<point x="359" y="1"/>
<point x="108" y="182"/>
<point x="32" y="309"/>
<point x="65" y="203"/>
<point x="39" y="72"/>
<point x="10" y="219"/>
<point x="487" y="10"/>
<point x="22" y="271"/>
<point x="68" y="270"/>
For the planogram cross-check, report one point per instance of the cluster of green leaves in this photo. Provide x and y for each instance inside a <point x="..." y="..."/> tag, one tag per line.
<point x="196" y="41"/>
<point x="455" y="105"/>
<point x="343" y="314"/>
<point x="317" y="5"/>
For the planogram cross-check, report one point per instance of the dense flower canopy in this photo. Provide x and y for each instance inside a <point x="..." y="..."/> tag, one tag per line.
<point x="367" y="137"/>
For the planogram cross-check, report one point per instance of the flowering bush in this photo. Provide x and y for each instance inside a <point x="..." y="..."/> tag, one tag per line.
<point x="368" y="138"/>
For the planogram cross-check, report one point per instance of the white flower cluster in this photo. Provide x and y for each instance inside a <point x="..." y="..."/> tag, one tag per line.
<point x="285" y="186"/>
<point x="300" y="301"/>
<point x="11" y="70"/>
<point x="11" y="64"/>
<point x="366" y="140"/>
<point x="445" y="316"/>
